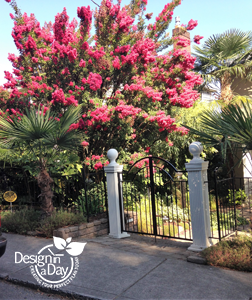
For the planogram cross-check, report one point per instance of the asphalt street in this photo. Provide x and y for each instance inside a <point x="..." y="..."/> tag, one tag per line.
<point x="11" y="291"/>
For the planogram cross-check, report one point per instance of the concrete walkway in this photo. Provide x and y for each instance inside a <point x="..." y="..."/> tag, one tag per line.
<point x="134" y="268"/>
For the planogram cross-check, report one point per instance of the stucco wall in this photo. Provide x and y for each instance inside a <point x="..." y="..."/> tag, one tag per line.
<point x="242" y="87"/>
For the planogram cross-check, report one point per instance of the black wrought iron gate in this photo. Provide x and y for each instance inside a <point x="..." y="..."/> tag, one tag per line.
<point x="154" y="199"/>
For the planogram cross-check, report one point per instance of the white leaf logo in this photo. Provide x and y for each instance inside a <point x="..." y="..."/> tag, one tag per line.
<point x="68" y="240"/>
<point x="73" y="248"/>
<point x="59" y="243"/>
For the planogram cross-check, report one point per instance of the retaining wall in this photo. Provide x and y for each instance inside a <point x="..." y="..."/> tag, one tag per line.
<point x="84" y="230"/>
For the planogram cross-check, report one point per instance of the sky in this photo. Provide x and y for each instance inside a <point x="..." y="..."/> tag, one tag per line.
<point x="213" y="16"/>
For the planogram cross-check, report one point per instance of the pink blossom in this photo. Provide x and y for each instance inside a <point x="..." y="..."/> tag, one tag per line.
<point x="58" y="96"/>
<point x="98" y="166"/>
<point x="84" y="143"/>
<point x="85" y="46"/>
<point x="197" y="39"/>
<point x="72" y="55"/>
<point x="30" y="44"/>
<point x="94" y="81"/>
<point x="82" y="63"/>
<point x="116" y="63"/>
<point x="191" y="24"/>
<point x="35" y="59"/>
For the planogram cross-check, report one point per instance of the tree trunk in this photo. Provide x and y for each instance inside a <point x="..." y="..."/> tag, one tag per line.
<point x="44" y="183"/>
<point x="226" y="91"/>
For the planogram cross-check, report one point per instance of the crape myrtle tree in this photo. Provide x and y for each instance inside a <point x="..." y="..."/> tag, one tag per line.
<point x="127" y="86"/>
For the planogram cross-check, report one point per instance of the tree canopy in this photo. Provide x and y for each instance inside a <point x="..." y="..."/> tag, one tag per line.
<point x="224" y="57"/>
<point x="126" y="86"/>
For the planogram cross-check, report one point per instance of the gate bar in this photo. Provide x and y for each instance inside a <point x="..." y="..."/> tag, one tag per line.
<point x="153" y="197"/>
<point x="217" y="205"/>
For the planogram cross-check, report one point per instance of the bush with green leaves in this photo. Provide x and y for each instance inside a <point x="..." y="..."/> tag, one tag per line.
<point x="30" y="220"/>
<point x="20" y="221"/>
<point x="227" y="220"/>
<point x="239" y="196"/>
<point x="57" y="220"/>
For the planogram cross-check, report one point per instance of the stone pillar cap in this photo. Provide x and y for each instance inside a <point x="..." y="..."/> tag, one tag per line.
<point x="112" y="156"/>
<point x="196" y="149"/>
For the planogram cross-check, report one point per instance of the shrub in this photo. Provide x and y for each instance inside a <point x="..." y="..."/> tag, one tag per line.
<point x="20" y="221"/>
<point x="59" y="219"/>
<point x="233" y="254"/>
<point x="30" y="220"/>
<point x="240" y="197"/>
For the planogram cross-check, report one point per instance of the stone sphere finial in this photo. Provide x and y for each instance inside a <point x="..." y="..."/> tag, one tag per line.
<point x="112" y="156"/>
<point x="195" y="149"/>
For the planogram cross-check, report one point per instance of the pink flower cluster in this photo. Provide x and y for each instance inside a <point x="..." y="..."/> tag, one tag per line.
<point x="98" y="166"/>
<point x="97" y="54"/>
<point x="30" y="44"/>
<point x="164" y="122"/>
<point x="58" y="97"/>
<point x="94" y="81"/>
<point x="127" y="110"/>
<point x="59" y="27"/>
<point x="85" y="14"/>
<point x="72" y="55"/>
<point x="197" y="39"/>
<point x="191" y="24"/>
<point x="84" y="143"/>
<point x="101" y="114"/>
<point x="182" y="42"/>
<point x="124" y="20"/>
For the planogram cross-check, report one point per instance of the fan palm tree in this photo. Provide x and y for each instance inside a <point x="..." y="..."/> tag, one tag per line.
<point x="224" y="57"/>
<point x="42" y="134"/>
<point x="228" y="128"/>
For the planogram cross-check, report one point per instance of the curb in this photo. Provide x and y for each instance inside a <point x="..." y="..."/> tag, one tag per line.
<point x="197" y="260"/>
<point x="34" y="286"/>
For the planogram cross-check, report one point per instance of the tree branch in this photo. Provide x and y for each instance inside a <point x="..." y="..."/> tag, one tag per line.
<point x="95" y="3"/>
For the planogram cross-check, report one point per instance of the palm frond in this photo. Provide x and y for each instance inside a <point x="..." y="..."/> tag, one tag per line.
<point x="227" y="127"/>
<point x="37" y="129"/>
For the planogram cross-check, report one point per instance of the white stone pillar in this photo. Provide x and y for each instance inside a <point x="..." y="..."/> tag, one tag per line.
<point x="112" y="171"/>
<point x="199" y="199"/>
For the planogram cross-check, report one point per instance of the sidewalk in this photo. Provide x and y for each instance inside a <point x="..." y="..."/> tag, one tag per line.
<point x="133" y="268"/>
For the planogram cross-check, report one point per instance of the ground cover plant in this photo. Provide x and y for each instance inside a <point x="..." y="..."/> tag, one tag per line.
<point x="30" y="220"/>
<point x="234" y="254"/>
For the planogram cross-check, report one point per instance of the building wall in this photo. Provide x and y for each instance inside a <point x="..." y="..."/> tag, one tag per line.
<point x="242" y="87"/>
<point x="179" y="31"/>
<point x="243" y="169"/>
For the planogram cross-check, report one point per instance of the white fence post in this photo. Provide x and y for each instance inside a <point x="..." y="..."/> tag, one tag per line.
<point x="112" y="171"/>
<point x="199" y="199"/>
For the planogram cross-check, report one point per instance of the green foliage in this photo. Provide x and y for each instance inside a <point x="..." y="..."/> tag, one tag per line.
<point x="179" y="154"/>
<point x="20" y="221"/>
<point x="212" y="202"/>
<point x="227" y="220"/>
<point x="226" y="52"/>
<point x="91" y="200"/>
<point x="240" y="197"/>
<point x="57" y="220"/>
<point x="226" y="128"/>
<point x="38" y="136"/>
<point x="175" y="213"/>
<point x="233" y="254"/>
<point x="30" y="220"/>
